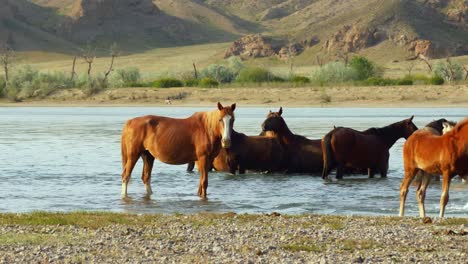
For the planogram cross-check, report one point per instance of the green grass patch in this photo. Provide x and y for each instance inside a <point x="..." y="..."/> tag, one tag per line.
<point x="11" y="238"/>
<point x="354" y="244"/>
<point x="167" y="83"/>
<point x="306" y="248"/>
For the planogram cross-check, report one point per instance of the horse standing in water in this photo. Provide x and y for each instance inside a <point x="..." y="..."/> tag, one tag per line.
<point x="254" y="153"/>
<point x="303" y="154"/>
<point x="345" y="147"/>
<point x="176" y="141"/>
<point x="445" y="154"/>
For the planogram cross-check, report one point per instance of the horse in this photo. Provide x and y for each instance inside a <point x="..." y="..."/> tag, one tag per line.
<point x="254" y="153"/>
<point x="345" y="147"/>
<point x="176" y="141"/>
<point x="445" y="154"/>
<point x="303" y="155"/>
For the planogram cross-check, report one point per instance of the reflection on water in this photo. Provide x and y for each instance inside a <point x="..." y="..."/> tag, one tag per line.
<point x="64" y="159"/>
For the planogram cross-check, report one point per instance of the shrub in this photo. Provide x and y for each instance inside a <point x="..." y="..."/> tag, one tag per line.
<point x="126" y="77"/>
<point x="2" y="87"/>
<point x="449" y="72"/>
<point x="208" y="82"/>
<point x="363" y="67"/>
<point x="436" y="80"/>
<point x="167" y="82"/>
<point x="404" y="81"/>
<point x="256" y="75"/>
<point x="94" y="85"/>
<point x="235" y="64"/>
<point x="334" y="72"/>
<point x="300" y="79"/>
<point x="379" y="81"/>
<point x="191" y="82"/>
<point x="220" y="73"/>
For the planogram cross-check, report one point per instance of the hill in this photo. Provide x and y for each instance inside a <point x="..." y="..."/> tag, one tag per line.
<point x="384" y="29"/>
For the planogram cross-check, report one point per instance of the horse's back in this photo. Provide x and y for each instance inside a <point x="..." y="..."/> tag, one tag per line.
<point x="355" y="148"/>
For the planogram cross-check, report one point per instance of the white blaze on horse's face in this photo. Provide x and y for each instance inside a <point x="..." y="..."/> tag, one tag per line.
<point x="226" y="139"/>
<point x="446" y="127"/>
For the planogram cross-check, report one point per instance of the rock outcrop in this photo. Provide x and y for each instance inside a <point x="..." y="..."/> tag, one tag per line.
<point x="252" y="46"/>
<point x="257" y="46"/>
<point x="353" y="38"/>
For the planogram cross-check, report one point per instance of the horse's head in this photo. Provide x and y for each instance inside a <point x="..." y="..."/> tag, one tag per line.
<point x="226" y="123"/>
<point x="408" y="127"/>
<point x="448" y="126"/>
<point x="274" y="121"/>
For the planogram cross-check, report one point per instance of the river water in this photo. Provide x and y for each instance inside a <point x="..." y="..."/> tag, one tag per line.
<point x="68" y="159"/>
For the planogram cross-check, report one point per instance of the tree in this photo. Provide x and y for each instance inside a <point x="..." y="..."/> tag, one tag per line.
<point x="89" y="54"/>
<point x="6" y="59"/>
<point x="410" y="67"/>
<point x="427" y="61"/>
<point x="363" y="67"/>
<point x="114" y="52"/>
<point x="73" y="72"/>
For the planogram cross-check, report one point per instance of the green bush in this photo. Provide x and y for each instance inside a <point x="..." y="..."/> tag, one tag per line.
<point x="235" y="64"/>
<point x="378" y="81"/>
<point x="191" y="82"/>
<point x="220" y="73"/>
<point x="436" y="80"/>
<point x="127" y="77"/>
<point x="334" y="72"/>
<point x="167" y="82"/>
<point x="256" y="75"/>
<point x="404" y="81"/>
<point x="208" y="82"/>
<point x="299" y="79"/>
<point x="94" y="85"/>
<point x="363" y="67"/>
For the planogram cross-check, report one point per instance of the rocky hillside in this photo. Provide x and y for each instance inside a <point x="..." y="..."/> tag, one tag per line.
<point x="432" y="28"/>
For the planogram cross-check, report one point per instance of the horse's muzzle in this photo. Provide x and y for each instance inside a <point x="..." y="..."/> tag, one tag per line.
<point x="226" y="143"/>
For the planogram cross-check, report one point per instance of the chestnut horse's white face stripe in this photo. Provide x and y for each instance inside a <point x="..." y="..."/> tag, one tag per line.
<point x="226" y="139"/>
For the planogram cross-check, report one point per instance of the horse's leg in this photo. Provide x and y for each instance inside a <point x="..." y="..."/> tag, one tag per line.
<point x="339" y="172"/>
<point x="130" y="161"/>
<point x="421" y="192"/>
<point x="204" y="165"/>
<point x="190" y="166"/>
<point x="370" y="172"/>
<point x="148" y="161"/>
<point x="445" y="193"/>
<point x="384" y="169"/>
<point x="409" y="176"/>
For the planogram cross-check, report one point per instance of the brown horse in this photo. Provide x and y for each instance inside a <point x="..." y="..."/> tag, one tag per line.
<point x="254" y="153"/>
<point x="303" y="154"/>
<point x="176" y="141"/>
<point x="433" y="154"/>
<point x="346" y="147"/>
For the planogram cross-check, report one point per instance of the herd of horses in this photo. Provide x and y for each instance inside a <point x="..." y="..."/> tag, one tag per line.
<point x="208" y="140"/>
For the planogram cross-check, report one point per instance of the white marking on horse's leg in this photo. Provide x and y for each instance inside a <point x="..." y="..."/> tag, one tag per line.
<point x="124" y="189"/>
<point x="148" y="189"/>
<point x="226" y="138"/>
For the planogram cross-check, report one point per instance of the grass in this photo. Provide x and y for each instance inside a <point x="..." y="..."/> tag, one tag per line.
<point x="11" y="238"/>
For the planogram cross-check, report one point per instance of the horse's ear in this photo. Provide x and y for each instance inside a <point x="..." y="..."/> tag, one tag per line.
<point x="233" y="107"/>
<point x="411" y="118"/>
<point x="280" y="111"/>
<point x="220" y="106"/>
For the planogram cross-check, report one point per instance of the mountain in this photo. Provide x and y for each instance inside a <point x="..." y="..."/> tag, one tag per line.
<point x="433" y="28"/>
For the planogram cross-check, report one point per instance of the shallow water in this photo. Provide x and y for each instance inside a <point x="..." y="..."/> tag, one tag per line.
<point x="65" y="159"/>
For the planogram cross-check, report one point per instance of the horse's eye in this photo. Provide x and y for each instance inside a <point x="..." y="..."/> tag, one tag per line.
<point x="221" y="120"/>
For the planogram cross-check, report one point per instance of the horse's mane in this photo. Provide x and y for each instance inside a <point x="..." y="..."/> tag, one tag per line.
<point x="460" y="124"/>
<point x="382" y="131"/>
<point x="211" y="121"/>
<point x="437" y="125"/>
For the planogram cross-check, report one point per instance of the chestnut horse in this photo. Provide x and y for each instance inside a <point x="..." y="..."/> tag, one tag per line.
<point x="433" y="154"/>
<point x="303" y="154"/>
<point x="346" y="147"/>
<point x="254" y="153"/>
<point x="176" y="141"/>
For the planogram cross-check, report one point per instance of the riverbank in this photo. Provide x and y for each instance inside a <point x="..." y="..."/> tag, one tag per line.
<point x="228" y="238"/>
<point x="341" y="96"/>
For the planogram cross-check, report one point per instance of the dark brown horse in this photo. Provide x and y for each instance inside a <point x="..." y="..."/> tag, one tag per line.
<point x="303" y="154"/>
<point x="254" y="153"/>
<point x="346" y="147"/>
<point x="176" y="141"/>
<point x="445" y="154"/>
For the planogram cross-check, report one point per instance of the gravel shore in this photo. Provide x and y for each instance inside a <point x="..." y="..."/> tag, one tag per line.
<point x="232" y="238"/>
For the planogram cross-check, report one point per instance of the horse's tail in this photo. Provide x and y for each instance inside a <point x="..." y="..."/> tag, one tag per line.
<point x="123" y="146"/>
<point x="328" y="157"/>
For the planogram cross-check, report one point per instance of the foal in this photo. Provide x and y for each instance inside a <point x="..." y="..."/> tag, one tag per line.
<point x="446" y="154"/>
